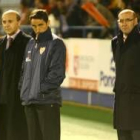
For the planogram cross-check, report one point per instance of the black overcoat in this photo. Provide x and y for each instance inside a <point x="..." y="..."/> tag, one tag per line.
<point x="12" y="118"/>
<point x="127" y="85"/>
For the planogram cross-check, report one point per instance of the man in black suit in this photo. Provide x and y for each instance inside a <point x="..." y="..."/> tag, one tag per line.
<point x="126" y="52"/>
<point x="12" y="118"/>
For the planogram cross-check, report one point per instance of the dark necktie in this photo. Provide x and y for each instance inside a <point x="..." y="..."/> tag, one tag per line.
<point x="9" y="42"/>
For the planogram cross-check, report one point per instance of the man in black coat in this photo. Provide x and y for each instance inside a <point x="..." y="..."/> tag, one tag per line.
<point x="126" y="52"/>
<point x="12" y="47"/>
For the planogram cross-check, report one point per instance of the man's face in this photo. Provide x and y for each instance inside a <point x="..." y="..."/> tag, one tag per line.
<point x="10" y="23"/>
<point x="39" y="26"/>
<point x="126" y="22"/>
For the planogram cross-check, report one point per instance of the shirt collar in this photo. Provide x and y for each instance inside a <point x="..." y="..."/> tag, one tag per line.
<point x="14" y="35"/>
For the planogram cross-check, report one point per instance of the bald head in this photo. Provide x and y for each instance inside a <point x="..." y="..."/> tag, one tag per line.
<point x="11" y="21"/>
<point x="129" y="11"/>
<point x="12" y="12"/>
<point x="127" y="20"/>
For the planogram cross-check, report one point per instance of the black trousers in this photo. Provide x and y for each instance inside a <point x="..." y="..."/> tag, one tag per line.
<point x="128" y="134"/>
<point x="13" y="124"/>
<point x="43" y="121"/>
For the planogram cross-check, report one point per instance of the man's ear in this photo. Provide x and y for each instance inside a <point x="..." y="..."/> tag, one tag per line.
<point x="136" y="21"/>
<point x="19" y="23"/>
<point x="48" y="22"/>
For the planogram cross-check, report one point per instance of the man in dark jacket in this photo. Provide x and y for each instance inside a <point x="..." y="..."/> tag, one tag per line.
<point x="12" y="117"/>
<point x="126" y="52"/>
<point x="43" y="73"/>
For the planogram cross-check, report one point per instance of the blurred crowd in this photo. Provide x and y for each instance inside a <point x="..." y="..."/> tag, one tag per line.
<point x="64" y="14"/>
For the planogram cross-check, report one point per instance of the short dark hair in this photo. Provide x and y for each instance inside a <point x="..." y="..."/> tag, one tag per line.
<point x="39" y="14"/>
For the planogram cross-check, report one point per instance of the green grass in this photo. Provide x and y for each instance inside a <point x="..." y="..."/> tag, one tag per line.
<point x="87" y="113"/>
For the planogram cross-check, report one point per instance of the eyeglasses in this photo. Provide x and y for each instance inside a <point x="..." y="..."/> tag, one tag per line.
<point x="127" y="20"/>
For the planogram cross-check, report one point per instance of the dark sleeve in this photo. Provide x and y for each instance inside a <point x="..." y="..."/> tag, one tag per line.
<point x="56" y="73"/>
<point x="22" y="66"/>
<point x="113" y="45"/>
<point x="1" y="55"/>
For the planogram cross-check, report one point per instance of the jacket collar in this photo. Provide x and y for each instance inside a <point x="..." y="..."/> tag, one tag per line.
<point x="4" y="38"/>
<point x="132" y="37"/>
<point x="133" y="34"/>
<point x="47" y="35"/>
<point x="14" y="35"/>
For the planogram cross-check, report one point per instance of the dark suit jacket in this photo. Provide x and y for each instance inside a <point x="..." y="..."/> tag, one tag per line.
<point x="10" y="105"/>
<point x="127" y="85"/>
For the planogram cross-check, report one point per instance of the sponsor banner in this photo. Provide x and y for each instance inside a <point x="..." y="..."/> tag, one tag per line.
<point x="106" y="67"/>
<point x="82" y="65"/>
<point x="84" y="84"/>
<point x="82" y="56"/>
<point x="89" y="65"/>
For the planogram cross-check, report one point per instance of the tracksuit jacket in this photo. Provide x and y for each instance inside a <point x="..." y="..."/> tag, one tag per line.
<point x="43" y="70"/>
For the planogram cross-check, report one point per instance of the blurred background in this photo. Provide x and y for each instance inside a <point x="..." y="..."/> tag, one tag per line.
<point x="87" y="27"/>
